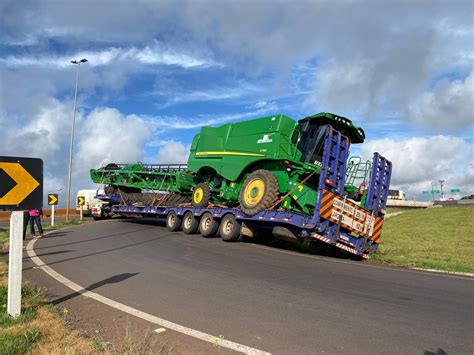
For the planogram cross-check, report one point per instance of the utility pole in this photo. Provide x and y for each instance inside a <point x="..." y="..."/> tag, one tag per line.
<point x="432" y="191"/>
<point x="78" y="63"/>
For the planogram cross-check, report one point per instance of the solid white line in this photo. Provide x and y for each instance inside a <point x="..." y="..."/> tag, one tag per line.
<point x="137" y="313"/>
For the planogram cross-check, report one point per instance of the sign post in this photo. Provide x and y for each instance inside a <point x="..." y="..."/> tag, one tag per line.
<point x="21" y="188"/>
<point x="15" y="264"/>
<point x="81" y="200"/>
<point x="52" y="201"/>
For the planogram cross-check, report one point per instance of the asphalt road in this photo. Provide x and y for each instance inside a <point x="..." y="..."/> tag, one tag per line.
<point x="266" y="298"/>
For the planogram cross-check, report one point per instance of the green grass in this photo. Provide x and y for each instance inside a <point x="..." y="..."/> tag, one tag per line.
<point x="18" y="336"/>
<point x="30" y="298"/>
<point x="18" y="343"/>
<point x="433" y="238"/>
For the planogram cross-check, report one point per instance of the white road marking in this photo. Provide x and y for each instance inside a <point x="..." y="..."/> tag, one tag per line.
<point x="137" y="313"/>
<point x="160" y="330"/>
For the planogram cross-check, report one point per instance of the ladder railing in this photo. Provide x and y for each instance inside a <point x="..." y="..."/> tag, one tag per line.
<point x="377" y="193"/>
<point x="357" y="171"/>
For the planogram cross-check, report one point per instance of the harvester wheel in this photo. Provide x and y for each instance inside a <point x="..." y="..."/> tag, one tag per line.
<point x="190" y="223"/>
<point x="173" y="222"/>
<point x="259" y="192"/>
<point x="208" y="226"/>
<point x="201" y="195"/>
<point x="230" y="229"/>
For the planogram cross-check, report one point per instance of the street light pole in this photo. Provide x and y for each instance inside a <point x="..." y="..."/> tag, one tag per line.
<point x="78" y="63"/>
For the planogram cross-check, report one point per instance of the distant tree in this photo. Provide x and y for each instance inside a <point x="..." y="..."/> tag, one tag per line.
<point x="470" y="197"/>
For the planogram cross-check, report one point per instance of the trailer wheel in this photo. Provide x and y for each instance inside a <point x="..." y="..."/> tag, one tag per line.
<point x="230" y="229"/>
<point x="190" y="223"/>
<point x="259" y="192"/>
<point x="208" y="226"/>
<point x="173" y="222"/>
<point x="201" y="195"/>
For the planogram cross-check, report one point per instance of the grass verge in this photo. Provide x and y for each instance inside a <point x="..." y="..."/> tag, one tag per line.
<point x="40" y="329"/>
<point x="432" y="238"/>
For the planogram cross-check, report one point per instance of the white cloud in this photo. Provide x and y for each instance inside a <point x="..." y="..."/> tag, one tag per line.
<point x="417" y="161"/>
<point x="149" y="55"/>
<point x="173" y="152"/>
<point x="449" y="105"/>
<point x="105" y="135"/>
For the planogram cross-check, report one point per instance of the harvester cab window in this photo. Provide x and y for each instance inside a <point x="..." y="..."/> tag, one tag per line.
<point x="311" y="143"/>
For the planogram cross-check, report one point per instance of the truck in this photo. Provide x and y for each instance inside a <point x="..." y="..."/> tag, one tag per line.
<point x="89" y="198"/>
<point x="292" y="179"/>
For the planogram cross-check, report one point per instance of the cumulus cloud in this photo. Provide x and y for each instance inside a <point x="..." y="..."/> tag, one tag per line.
<point x="418" y="161"/>
<point x="173" y="152"/>
<point x="105" y="135"/>
<point x="449" y="105"/>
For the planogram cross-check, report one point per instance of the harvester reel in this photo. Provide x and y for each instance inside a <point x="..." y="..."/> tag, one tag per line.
<point x="259" y="192"/>
<point x="201" y="195"/>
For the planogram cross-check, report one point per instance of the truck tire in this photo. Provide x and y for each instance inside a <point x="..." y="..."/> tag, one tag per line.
<point x="173" y="221"/>
<point x="190" y="223"/>
<point x="229" y="229"/>
<point x="259" y="192"/>
<point x="208" y="226"/>
<point x="201" y="195"/>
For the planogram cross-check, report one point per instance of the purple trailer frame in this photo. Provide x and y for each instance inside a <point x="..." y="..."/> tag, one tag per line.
<point x="335" y="156"/>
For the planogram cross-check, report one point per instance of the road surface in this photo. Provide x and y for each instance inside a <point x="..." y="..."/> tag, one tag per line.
<point x="266" y="298"/>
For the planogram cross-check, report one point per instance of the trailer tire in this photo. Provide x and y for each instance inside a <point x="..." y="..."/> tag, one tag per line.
<point x="229" y="229"/>
<point x="173" y="222"/>
<point x="259" y="192"/>
<point x="201" y="195"/>
<point x="190" y="223"/>
<point x="208" y="226"/>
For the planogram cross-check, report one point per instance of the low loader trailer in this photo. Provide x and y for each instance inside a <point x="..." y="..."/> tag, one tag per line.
<point x="301" y="186"/>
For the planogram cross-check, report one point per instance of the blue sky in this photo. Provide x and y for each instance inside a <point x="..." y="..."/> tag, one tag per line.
<point x="158" y="71"/>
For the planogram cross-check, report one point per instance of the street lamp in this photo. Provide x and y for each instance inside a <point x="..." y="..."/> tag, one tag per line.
<point x="78" y="63"/>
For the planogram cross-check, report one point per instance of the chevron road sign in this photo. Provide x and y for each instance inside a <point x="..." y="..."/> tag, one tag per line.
<point x="21" y="183"/>
<point x="81" y="200"/>
<point x="52" y="199"/>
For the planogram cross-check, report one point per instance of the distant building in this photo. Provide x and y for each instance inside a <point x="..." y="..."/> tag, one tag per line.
<point x="396" y="195"/>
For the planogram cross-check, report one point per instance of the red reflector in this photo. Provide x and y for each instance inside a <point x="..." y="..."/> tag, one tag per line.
<point x="329" y="182"/>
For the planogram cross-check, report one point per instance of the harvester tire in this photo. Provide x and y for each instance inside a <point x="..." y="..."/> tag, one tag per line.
<point x="229" y="229"/>
<point x="208" y="226"/>
<point x="259" y="192"/>
<point x="201" y="195"/>
<point x="190" y="223"/>
<point x="173" y="222"/>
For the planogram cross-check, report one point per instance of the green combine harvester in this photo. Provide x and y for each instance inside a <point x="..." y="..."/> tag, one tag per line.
<point x="261" y="164"/>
